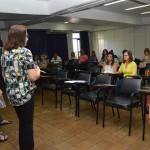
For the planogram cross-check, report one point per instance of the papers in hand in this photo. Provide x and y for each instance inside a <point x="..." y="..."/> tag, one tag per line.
<point x="42" y="71"/>
<point x="75" y="81"/>
<point x="2" y="102"/>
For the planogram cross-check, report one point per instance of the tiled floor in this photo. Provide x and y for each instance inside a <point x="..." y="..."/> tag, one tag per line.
<point x="56" y="130"/>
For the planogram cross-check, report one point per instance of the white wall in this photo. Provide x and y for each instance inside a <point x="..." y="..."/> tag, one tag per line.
<point x="3" y="35"/>
<point x="135" y="39"/>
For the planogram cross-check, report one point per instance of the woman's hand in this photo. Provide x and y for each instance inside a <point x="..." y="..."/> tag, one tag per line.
<point x="1" y="93"/>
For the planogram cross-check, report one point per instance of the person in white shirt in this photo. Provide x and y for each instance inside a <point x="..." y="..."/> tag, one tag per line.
<point x="110" y="65"/>
<point x="57" y="61"/>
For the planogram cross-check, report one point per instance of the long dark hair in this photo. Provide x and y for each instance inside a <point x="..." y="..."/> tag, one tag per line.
<point x="105" y="50"/>
<point x="16" y="37"/>
<point x="112" y="54"/>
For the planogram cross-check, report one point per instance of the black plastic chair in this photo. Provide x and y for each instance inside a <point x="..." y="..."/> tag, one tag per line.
<point x="56" y="85"/>
<point x="71" y="90"/>
<point x="95" y="95"/>
<point x="127" y="98"/>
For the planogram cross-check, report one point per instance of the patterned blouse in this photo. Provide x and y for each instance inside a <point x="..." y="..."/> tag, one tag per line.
<point x="14" y="63"/>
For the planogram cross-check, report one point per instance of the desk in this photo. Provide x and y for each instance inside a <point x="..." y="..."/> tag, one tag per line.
<point x="76" y="84"/>
<point x="144" y="92"/>
<point x="114" y="76"/>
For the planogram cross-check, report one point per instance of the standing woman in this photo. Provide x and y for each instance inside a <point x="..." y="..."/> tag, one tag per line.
<point x="19" y="74"/>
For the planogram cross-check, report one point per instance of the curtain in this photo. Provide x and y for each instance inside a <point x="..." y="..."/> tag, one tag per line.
<point x="57" y="43"/>
<point x="37" y="41"/>
<point x="40" y="42"/>
<point x="84" y="39"/>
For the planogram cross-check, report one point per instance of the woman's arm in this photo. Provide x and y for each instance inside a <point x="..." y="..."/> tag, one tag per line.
<point x="33" y="74"/>
<point x="32" y="71"/>
<point x="1" y="93"/>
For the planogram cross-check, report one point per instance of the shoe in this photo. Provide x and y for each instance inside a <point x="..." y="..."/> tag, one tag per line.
<point x="3" y="137"/>
<point x="4" y="122"/>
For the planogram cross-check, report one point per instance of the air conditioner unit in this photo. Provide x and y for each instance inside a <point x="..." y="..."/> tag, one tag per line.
<point x="50" y="31"/>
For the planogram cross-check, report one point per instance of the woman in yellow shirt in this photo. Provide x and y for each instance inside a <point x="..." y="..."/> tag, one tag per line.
<point x="128" y="66"/>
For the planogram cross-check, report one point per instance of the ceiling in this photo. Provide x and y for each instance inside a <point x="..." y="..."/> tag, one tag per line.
<point x="86" y="12"/>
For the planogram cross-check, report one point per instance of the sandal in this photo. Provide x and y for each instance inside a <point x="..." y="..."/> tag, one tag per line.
<point x="4" y="122"/>
<point x="3" y="138"/>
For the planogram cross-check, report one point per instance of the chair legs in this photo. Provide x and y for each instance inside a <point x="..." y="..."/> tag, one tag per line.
<point x="97" y="110"/>
<point x="78" y="106"/>
<point x="55" y="92"/>
<point x="69" y="99"/>
<point x="93" y="106"/>
<point x="113" y="111"/>
<point x="118" y="113"/>
<point x="130" y="122"/>
<point x="61" y="102"/>
<point x="103" y="115"/>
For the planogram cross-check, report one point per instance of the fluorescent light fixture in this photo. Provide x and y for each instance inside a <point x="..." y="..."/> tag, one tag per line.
<point x="111" y="3"/>
<point x="148" y="12"/>
<point x="137" y="7"/>
<point x="66" y="22"/>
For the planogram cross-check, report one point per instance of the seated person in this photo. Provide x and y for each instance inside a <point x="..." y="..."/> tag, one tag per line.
<point x="104" y="57"/>
<point x="56" y="61"/>
<point x="36" y="60"/>
<point x="72" y="63"/>
<point x="145" y="59"/>
<point x="128" y="66"/>
<point x="73" y="56"/>
<point x="43" y="63"/>
<point x="83" y="60"/>
<point x="93" y="59"/>
<point x="109" y="66"/>
<point x="83" y="57"/>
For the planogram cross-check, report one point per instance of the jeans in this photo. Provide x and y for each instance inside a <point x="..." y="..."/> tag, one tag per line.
<point x="25" y="115"/>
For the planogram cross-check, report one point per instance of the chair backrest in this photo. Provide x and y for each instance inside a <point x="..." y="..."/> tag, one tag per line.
<point x="103" y="79"/>
<point x="62" y="74"/>
<point x="130" y="85"/>
<point x="93" y="68"/>
<point x="84" y="76"/>
<point x="72" y="64"/>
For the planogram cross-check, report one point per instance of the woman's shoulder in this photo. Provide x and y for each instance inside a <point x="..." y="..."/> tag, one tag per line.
<point x="24" y="50"/>
<point x="133" y="62"/>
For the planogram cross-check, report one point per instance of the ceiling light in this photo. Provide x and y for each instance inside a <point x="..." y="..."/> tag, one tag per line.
<point x="137" y="7"/>
<point x="111" y="3"/>
<point x="148" y="12"/>
<point x="66" y="22"/>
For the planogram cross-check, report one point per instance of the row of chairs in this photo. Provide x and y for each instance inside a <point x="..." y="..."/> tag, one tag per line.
<point x="126" y="99"/>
